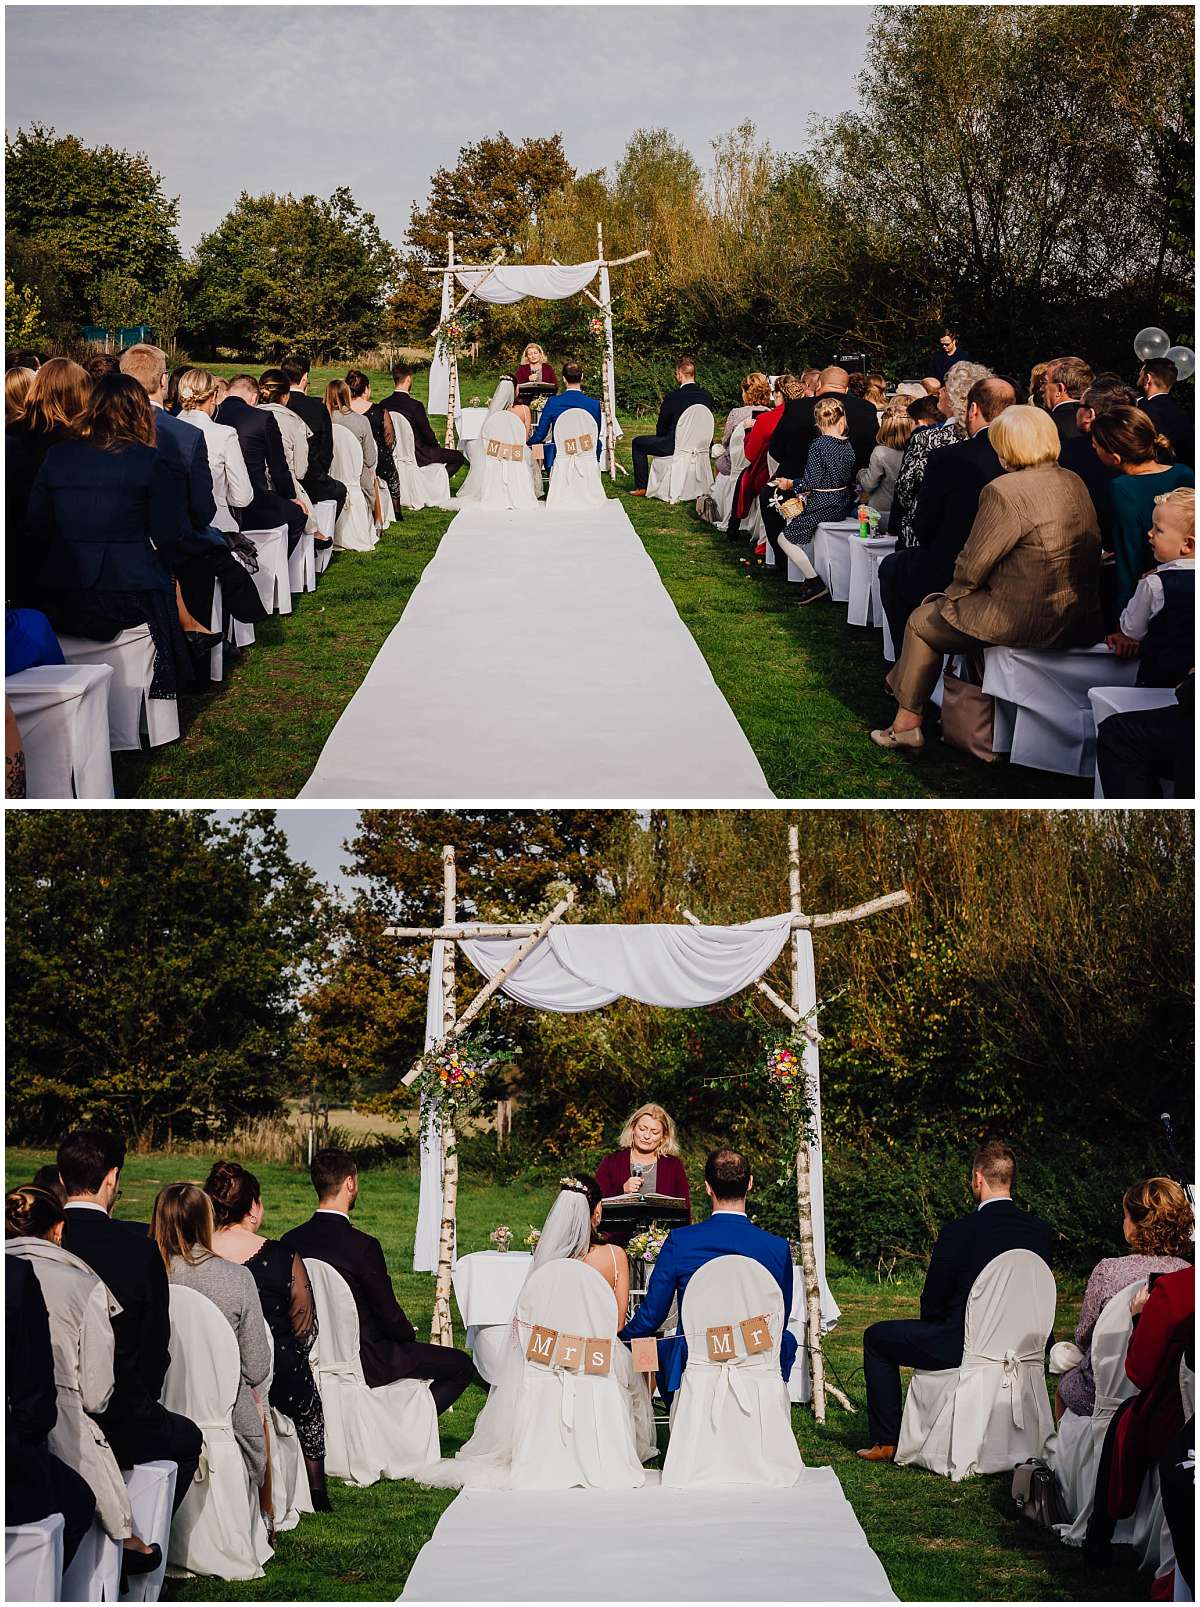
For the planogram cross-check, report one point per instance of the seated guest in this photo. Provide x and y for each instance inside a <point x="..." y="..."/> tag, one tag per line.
<point x="16" y="388"/>
<point x="36" y="1483"/>
<point x="274" y="502"/>
<point x="359" y="386"/>
<point x="646" y="1161"/>
<point x="533" y="368"/>
<point x="827" y="486"/>
<point x="756" y="395"/>
<point x="876" y="392"/>
<point x="1157" y="1226"/>
<point x="105" y="515"/>
<point x="876" y="484"/>
<point x="127" y="1260"/>
<point x="318" y="482"/>
<point x="1104" y="393"/>
<point x="97" y="363"/>
<point x="196" y="389"/>
<point x="337" y="402"/>
<point x="425" y="441"/>
<point x="1037" y="384"/>
<point x="810" y="381"/>
<point x="81" y="1337"/>
<point x="171" y="400"/>
<point x="573" y="396"/>
<point x="387" y="1340"/>
<point x="28" y="641"/>
<point x="274" y="389"/>
<point x="47" y="1179"/>
<point x="964" y="1247"/>
<point x="287" y="1304"/>
<point x="931" y="385"/>
<point x="947" y="503"/>
<point x="662" y="443"/>
<point x="53" y="404"/>
<point x="1126" y="441"/>
<point x="951" y="352"/>
<point x="756" y="444"/>
<point x="950" y="428"/>
<point x="1155" y="381"/>
<point x="182" y="1230"/>
<point x="1028" y="576"/>
<point x="25" y="358"/>
<point x="795" y="434"/>
<point x="1138" y="751"/>
<point x="1158" y="626"/>
<point x="727" y="1231"/>
<point x="1063" y="386"/>
<point x="858" y="385"/>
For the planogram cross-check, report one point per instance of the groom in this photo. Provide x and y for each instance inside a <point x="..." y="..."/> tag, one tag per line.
<point x="728" y="1231"/>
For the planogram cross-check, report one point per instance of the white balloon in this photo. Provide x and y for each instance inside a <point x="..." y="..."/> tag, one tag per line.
<point x="1152" y="342"/>
<point x="1184" y="359"/>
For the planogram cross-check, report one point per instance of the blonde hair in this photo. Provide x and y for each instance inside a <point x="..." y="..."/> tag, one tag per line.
<point x="789" y="387"/>
<point x="1185" y="497"/>
<point x="533" y="347"/>
<point x="16" y="388"/>
<point x="196" y="386"/>
<point x="895" y="427"/>
<point x="670" y="1143"/>
<point x="828" y="411"/>
<point x="146" y="363"/>
<point x="756" y="390"/>
<point x="1023" y="437"/>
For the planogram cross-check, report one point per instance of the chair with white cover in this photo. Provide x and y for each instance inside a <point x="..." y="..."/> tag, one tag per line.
<point x="731" y="1422"/>
<point x="387" y="511"/>
<point x="218" y="1530"/>
<point x="427" y="487"/>
<point x="355" y="529"/>
<point x="94" y="1572"/>
<point x="469" y="422"/>
<point x="1106" y="700"/>
<point x="33" y="1554"/>
<point x="572" y="1428"/>
<point x="863" y="605"/>
<point x="131" y="709"/>
<point x="575" y="476"/>
<point x="1043" y="715"/>
<point x="687" y="473"/>
<point x="504" y="482"/>
<point x="831" y="556"/>
<point x="370" y="1434"/>
<point x="724" y="485"/>
<point x="151" y="1487"/>
<point x="324" y="517"/>
<point x="61" y="711"/>
<point x="290" y="1495"/>
<point x="992" y="1411"/>
<point x="272" y="579"/>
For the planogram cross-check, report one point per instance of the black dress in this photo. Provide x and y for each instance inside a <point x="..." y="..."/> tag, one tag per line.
<point x="288" y="1306"/>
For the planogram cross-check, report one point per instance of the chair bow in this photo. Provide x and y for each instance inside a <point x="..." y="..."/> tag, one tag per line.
<point x="1012" y="1362"/>
<point x="567" y="1403"/>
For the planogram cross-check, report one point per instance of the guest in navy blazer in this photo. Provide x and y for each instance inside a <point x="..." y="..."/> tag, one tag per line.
<point x="675" y="404"/>
<point x="728" y="1231"/>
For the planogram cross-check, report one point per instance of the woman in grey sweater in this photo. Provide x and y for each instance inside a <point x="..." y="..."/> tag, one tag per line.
<point x="338" y="400"/>
<point x="182" y="1226"/>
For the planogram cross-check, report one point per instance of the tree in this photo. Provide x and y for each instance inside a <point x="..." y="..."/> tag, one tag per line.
<point x="23" y="324"/>
<point x="117" y="302"/>
<point x="167" y="310"/>
<point x="280" y="272"/>
<point x="97" y="209"/>
<point x="155" y="960"/>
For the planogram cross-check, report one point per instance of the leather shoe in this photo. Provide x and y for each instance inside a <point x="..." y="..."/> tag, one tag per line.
<point x="134" y="1563"/>
<point x="637" y="493"/>
<point x="878" y="1453"/>
<point x="891" y="738"/>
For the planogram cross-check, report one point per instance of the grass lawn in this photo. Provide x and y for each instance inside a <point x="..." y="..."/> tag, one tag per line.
<point x="806" y="687"/>
<point x="937" y="1541"/>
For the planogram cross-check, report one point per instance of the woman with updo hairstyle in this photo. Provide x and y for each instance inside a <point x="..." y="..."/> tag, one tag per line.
<point x="1157" y="1223"/>
<point x="646" y="1161"/>
<point x="287" y="1304"/>
<point x="199" y="396"/>
<point x="340" y="404"/>
<point x="1126" y="439"/>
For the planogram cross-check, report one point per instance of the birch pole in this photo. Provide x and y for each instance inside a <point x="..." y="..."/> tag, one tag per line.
<point x="608" y="368"/>
<point x="452" y="356"/>
<point x="808" y="1251"/>
<point x="442" y="1332"/>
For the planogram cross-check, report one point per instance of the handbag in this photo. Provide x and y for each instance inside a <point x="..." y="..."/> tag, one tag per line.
<point x="1036" y="1493"/>
<point x="968" y="712"/>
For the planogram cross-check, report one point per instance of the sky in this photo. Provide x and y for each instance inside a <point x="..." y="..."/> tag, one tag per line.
<point x="315" y="837"/>
<point x="279" y="98"/>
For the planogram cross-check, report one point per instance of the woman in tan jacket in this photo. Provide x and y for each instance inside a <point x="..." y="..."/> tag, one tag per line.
<point x="1028" y="576"/>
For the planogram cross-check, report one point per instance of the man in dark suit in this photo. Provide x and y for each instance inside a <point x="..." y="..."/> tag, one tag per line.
<point x="426" y="445"/>
<point x="1063" y="386"/>
<point x="1155" y="380"/>
<point x="728" y="1231"/>
<point x="962" y="1251"/>
<point x="662" y="443"/>
<point x="275" y="502"/>
<point x="951" y="352"/>
<point x="387" y="1340"/>
<point x="318" y="482"/>
<point x="946" y="507"/>
<point x="138" y="1427"/>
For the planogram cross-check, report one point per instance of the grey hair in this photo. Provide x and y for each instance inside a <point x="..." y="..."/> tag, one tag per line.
<point x="957" y="385"/>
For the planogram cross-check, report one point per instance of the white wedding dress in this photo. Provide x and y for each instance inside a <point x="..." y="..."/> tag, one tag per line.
<point x="485" y="1461"/>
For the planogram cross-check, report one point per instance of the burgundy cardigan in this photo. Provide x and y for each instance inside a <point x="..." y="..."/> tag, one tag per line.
<point x="613" y="1173"/>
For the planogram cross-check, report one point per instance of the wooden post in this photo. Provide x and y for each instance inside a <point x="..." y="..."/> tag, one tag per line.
<point x="808" y="1251"/>
<point x="607" y="366"/>
<point x="442" y="1332"/>
<point x="452" y="394"/>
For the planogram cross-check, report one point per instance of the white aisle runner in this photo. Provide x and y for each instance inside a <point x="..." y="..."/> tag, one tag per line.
<point x="540" y="657"/>
<point x="802" y="1544"/>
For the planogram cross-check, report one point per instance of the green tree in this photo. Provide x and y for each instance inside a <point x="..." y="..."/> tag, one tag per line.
<point x="155" y="960"/>
<point x="167" y="310"/>
<point x="280" y="272"/>
<point x="117" y="302"/>
<point x="23" y="324"/>
<point x="96" y="210"/>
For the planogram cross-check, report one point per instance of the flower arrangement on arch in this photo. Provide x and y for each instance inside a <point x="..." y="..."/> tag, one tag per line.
<point x="455" y="333"/>
<point x="453" y="1075"/>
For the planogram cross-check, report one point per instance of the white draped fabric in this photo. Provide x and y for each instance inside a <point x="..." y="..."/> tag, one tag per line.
<point x="504" y="286"/>
<point x="429" y="1208"/>
<point x="439" y="371"/>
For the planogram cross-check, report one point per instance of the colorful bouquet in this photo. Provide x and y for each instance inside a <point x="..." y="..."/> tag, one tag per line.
<point x="501" y="1238"/>
<point x="456" y="333"/>
<point x="453" y="1069"/>
<point x="784" y="1065"/>
<point x="532" y="1237"/>
<point x="646" y="1246"/>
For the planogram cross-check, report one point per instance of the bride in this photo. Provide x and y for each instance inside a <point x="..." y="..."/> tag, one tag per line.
<point x="569" y="1234"/>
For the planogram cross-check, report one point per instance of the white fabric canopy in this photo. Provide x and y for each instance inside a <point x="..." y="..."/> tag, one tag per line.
<point x="504" y="286"/>
<point x="429" y="1207"/>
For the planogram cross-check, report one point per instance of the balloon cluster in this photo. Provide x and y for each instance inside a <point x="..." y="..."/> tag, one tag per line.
<point x="1153" y="342"/>
<point x="783" y="1064"/>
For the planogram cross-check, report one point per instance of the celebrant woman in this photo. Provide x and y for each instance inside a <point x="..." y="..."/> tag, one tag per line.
<point x="646" y="1162"/>
<point x="534" y="369"/>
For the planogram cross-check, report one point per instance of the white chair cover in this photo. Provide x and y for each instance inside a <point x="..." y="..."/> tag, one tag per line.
<point x="218" y="1529"/>
<point x="863" y="606"/>
<point x="687" y="473"/>
<point x="151" y="1487"/>
<point x="991" y="1412"/>
<point x="355" y="530"/>
<point x="62" y="714"/>
<point x="419" y="488"/>
<point x="575" y="477"/>
<point x="369" y="1433"/>
<point x="387" y="511"/>
<point x="94" y="1573"/>
<point x="1043" y="716"/>
<point x="1106" y="700"/>
<point x="731" y="1422"/>
<point x="504" y="482"/>
<point x="290" y="1495"/>
<point x="131" y="709"/>
<point x="324" y="518"/>
<point x="831" y="556"/>
<point x="469" y="421"/>
<point x="571" y="1428"/>
<point x="272" y="579"/>
<point x="33" y="1560"/>
<point x="724" y="485"/>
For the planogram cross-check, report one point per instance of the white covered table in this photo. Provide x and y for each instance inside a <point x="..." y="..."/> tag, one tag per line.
<point x="831" y="556"/>
<point x="1106" y="700"/>
<point x="1043" y="716"/>
<point x="61" y="711"/>
<point x="487" y="1285"/>
<point x="863" y="604"/>
<point x="470" y="422"/>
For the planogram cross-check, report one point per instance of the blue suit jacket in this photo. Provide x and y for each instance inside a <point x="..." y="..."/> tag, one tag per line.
<point x="685" y="1252"/>
<point x="555" y="407"/>
<point x="184" y="450"/>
